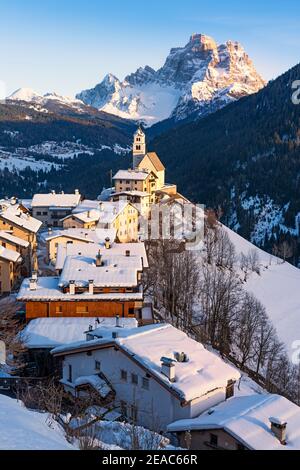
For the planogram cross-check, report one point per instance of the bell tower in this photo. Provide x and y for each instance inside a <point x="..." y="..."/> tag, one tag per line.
<point x="139" y="147"/>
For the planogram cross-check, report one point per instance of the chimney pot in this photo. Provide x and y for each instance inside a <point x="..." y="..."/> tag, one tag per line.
<point x="99" y="259"/>
<point x="278" y="427"/>
<point x="33" y="284"/>
<point x="168" y="368"/>
<point x="91" y="287"/>
<point x="72" y="287"/>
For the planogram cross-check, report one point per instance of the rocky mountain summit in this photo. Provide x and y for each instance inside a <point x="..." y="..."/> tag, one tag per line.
<point x="196" y="79"/>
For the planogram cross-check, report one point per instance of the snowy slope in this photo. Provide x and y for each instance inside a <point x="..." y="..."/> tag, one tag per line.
<point x="22" y="429"/>
<point x="31" y="96"/>
<point x="277" y="287"/>
<point x="200" y="77"/>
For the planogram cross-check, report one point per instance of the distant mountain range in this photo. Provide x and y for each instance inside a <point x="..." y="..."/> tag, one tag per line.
<point x="196" y="79"/>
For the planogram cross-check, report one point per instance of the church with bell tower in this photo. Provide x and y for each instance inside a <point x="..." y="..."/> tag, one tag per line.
<point x="139" y="147"/>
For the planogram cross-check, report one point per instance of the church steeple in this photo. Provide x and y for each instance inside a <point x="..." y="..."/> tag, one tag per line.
<point x="139" y="147"/>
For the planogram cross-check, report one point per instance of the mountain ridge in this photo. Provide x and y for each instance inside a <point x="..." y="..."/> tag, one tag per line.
<point x="197" y="78"/>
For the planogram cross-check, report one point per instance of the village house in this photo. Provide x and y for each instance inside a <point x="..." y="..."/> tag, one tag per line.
<point x="43" y="334"/>
<point x="157" y="373"/>
<point x="121" y="216"/>
<point x="20" y="246"/>
<point x="136" y="180"/>
<point x="144" y="184"/>
<point x="10" y="270"/>
<point x="19" y="233"/>
<point x="74" y="236"/>
<point x="255" y="422"/>
<point x="51" y="208"/>
<point x="93" y="282"/>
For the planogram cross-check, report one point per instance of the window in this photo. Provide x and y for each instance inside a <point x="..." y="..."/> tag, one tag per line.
<point x="123" y="408"/>
<point x="4" y="244"/>
<point x="81" y="309"/>
<point x="70" y="373"/>
<point x="213" y="440"/>
<point x="123" y="375"/>
<point x="97" y="365"/>
<point x="45" y="213"/>
<point x="134" y="379"/>
<point x="131" y="311"/>
<point x="38" y="213"/>
<point x="58" y="309"/>
<point x="145" y="383"/>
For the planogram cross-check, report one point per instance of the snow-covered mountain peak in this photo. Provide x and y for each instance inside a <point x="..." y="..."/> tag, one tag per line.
<point x="196" y="79"/>
<point x="24" y="94"/>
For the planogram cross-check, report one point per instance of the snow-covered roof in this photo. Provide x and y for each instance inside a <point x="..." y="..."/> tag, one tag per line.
<point x="203" y="372"/>
<point x="14" y="215"/>
<point x="23" y="429"/>
<point x="91" y="250"/>
<point x="92" y="215"/>
<point x="116" y="271"/>
<point x="88" y="235"/>
<point x="13" y="239"/>
<point x="86" y="205"/>
<point x="131" y="175"/>
<point x="52" y="332"/>
<point x="96" y="382"/>
<point x="248" y="419"/>
<point x="106" y="193"/>
<point x="56" y="200"/>
<point x="9" y="255"/>
<point x="48" y="290"/>
<point x="132" y="193"/>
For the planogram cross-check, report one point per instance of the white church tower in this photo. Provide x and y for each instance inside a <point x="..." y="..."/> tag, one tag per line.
<point x="139" y="147"/>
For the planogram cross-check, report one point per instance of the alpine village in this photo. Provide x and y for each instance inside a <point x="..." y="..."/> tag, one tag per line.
<point x="100" y="322"/>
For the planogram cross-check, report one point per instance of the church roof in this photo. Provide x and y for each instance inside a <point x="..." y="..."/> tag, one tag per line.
<point x="153" y="157"/>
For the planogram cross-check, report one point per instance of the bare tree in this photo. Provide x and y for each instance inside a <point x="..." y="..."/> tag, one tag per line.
<point x="10" y="334"/>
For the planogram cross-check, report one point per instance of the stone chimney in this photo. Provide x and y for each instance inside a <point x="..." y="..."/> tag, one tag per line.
<point x="76" y="192"/>
<point x="168" y="368"/>
<point x="33" y="283"/>
<point x="72" y="287"/>
<point x="118" y="321"/>
<point x="99" y="261"/>
<point x="91" y="287"/>
<point x="107" y="243"/>
<point x="278" y="427"/>
<point x="53" y="191"/>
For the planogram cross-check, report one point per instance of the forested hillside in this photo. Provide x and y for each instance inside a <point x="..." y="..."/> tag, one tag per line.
<point x="244" y="160"/>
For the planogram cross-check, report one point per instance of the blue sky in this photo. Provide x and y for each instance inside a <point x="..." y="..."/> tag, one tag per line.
<point x="69" y="45"/>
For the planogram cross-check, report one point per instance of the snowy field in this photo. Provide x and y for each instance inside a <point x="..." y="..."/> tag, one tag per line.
<point x="277" y="287"/>
<point x="15" y="162"/>
<point x="22" y="429"/>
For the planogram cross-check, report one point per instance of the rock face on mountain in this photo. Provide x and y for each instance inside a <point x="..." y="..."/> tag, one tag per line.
<point x="195" y="80"/>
